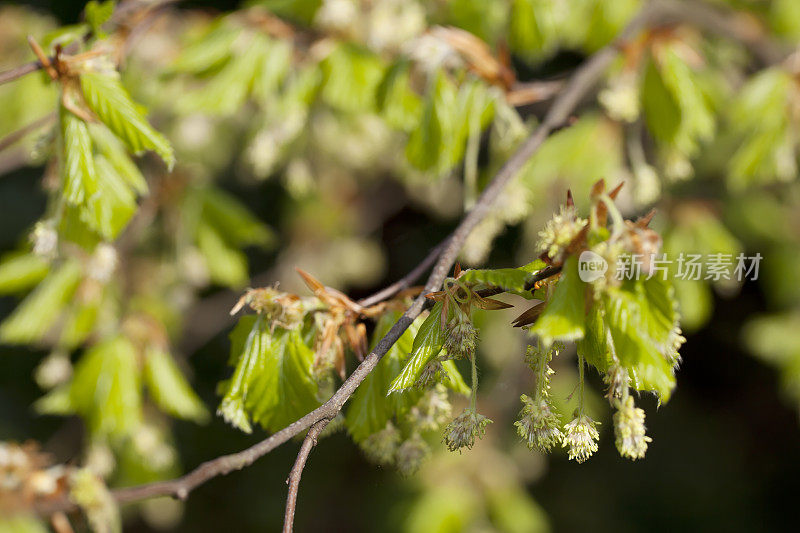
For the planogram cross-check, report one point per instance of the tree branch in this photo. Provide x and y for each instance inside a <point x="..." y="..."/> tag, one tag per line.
<point x="578" y="86"/>
<point x="18" y="72"/>
<point x="16" y="136"/>
<point x="406" y="281"/>
<point x="297" y="471"/>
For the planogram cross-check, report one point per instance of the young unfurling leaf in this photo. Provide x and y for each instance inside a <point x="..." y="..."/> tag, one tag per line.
<point x="511" y="280"/>
<point x="649" y="369"/>
<point x="564" y="316"/>
<point x="79" y="177"/>
<point x="38" y="312"/>
<point x="106" y="389"/>
<point x="169" y="388"/>
<point x="19" y="272"/>
<point x="109" y="100"/>
<point x="428" y="342"/>
<point x="273" y="383"/>
<point x="370" y="407"/>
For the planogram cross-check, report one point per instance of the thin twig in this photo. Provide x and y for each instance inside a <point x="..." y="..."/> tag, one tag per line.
<point x="297" y="471"/>
<point x="581" y="82"/>
<point x="406" y="281"/>
<point x="15" y="136"/>
<point x="18" y="72"/>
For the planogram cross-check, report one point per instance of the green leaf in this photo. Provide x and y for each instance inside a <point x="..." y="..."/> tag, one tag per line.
<point x="34" y="317"/>
<point x="662" y="111"/>
<point x="509" y="279"/>
<point x="209" y="51"/>
<point x="370" y="407"/>
<point x="594" y="345"/>
<point x="580" y="155"/>
<point x="428" y="342"/>
<point x="169" y="388"/>
<point x="649" y="369"/>
<point x="273" y="381"/>
<point x="112" y="205"/>
<point x="226" y="266"/>
<point x="399" y="104"/>
<point x="79" y="324"/>
<point x="455" y="381"/>
<point x="229" y="88"/>
<point x="759" y="118"/>
<point x="248" y="344"/>
<point x="21" y="271"/>
<point x="285" y="389"/>
<point x="97" y="14"/>
<point x="114" y="151"/>
<point x="79" y="178"/>
<point x="234" y="222"/>
<point x="22" y="523"/>
<point x="56" y="402"/>
<point x="564" y="316"/>
<point x="351" y="76"/>
<point x="106" y="389"/>
<point x="697" y="120"/>
<point x="526" y="32"/>
<point x="109" y="100"/>
<point x="277" y="63"/>
<point x="660" y="316"/>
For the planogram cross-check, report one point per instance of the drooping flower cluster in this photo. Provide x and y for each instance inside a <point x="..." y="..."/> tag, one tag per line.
<point x="581" y="436"/>
<point x="380" y="447"/>
<point x="432" y="410"/>
<point x="462" y="336"/>
<point x="539" y="423"/>
<point x="432" y="374"/>
<point x="462" y="431"/>
<point x="629" y="429"/>
<point x="411" y="454"/>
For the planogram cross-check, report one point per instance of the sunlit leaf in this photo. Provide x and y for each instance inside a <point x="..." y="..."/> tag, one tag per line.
<point x="21" y="271"/>
<point x="564" y="316"/>
<point x="106" y="388"/>
<point x="169" y="388"/>
<point x="428" y="342"/>
<point x="109" y="100"/>
<point x="34" y="317"/>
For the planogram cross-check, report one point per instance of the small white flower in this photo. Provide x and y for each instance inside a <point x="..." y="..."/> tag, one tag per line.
<point x="581" y="436"/>
<point x="336" y="15"/>
<point x="621" y="97"/>
<point x="54" y="370"/>
<point x="45" y="239"/>
<point x="432" y="53"/>
<point x="539" y="425"/>
<point x="629" y="430"/>
<point x="103" y="263"/>
<point x="647" y="188"/>
<point x="394" y="22"/>
<point x="559" y="232"/>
